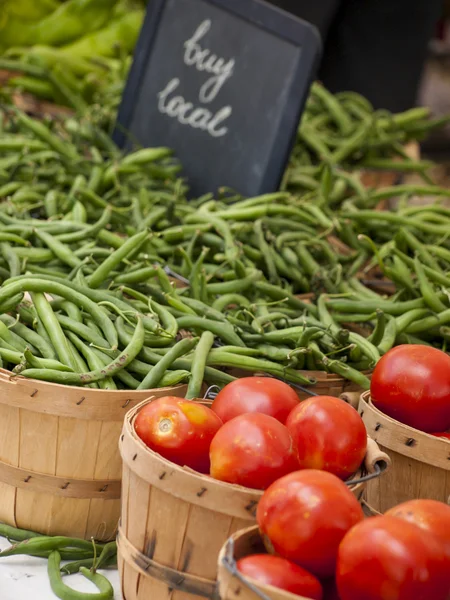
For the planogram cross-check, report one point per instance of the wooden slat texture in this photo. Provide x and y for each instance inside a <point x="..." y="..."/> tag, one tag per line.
<point x="420" y="463"/>
<point x="60" y="466"/>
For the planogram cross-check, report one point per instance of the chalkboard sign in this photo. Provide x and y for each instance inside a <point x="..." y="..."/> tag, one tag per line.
<point x="223" y="83"/>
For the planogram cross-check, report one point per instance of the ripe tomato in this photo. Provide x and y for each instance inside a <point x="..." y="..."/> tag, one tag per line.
<point x="281" y="573"/>
<point x="304" y="516"/>
<point x="328" y="435"/>
<point x="252" y="450"/>
<point x="430" y="515"/>
<point x="412" y="385"/>
<point x="445" y="435"/>
<point x="255" y="395"/>
<point x="179" y="430"/>
<point x="383" y="558"/>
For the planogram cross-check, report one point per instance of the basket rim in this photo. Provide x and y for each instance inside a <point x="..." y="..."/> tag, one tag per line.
<point x="267" y="590"/>
<point x="12" y="378"/>
<point x="68" y="401"/>
<point x="134" y="453"/>
<point x="419" y="445"/>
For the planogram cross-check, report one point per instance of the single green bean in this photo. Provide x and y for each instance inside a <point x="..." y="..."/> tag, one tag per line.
<point x="198" y="365"/>
<point x="155" y="375"/>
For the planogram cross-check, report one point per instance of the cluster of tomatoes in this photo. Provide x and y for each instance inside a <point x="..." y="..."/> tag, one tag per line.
<point x="255" y="432"/>
<point x="411" y="384"/>
<point x="325" y="549"/>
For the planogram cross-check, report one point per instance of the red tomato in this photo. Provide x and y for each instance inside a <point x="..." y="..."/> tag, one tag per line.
<point x="179" y="430"/>
<point x="445" y="435"/>
<point x="383" y="558"/>
<point x="412" y="385"/>
<point x="431" y="515"/>
<point x="281" y="573"/>
<point x="328" y="435"/>
<point x="255" y="395"/>
<point x="304" y="516"/>
<point x="252" y="450"/>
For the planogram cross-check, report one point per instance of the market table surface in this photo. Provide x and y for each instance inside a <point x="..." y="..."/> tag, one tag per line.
<point x="23" y="577"/>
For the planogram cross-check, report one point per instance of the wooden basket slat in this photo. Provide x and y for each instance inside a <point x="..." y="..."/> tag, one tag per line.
<point x="60" y="467"/>
<point x="420" y="463"/>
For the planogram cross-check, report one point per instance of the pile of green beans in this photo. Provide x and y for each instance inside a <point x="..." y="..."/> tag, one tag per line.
<point x="84" y="557"/>
<point x="98" y="241"/>
<point x="345" y="131"/>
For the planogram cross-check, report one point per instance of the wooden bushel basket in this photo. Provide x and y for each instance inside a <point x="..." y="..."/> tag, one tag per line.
<point x="231" y="585"/>
<point x="175" y="521"/>
<point x="60" y="467"/>
<point x="420" y="462"/>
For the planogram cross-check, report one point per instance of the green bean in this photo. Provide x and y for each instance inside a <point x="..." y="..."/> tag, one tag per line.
<point x="59" y="249"/>
<point x="171" y="378"/>
<point x="138" y="276"/>
<point x="68" y="291"/>
<point x="123" y="359"/>
<point x="235" y="286"/>
<point x="15" y="239"/>
<point x="88" y="231"/>
<point x="433" y="275"/>
<point x="231" y="250"/>
<point x="198" y="365"/>
<point x="72" y="311"/>
<point x="431" y="299"/>
<point x="155" y="375"/>
<point x="370" y="306"/>
<point x="195" y="277"/>
<point x="333" y="106"/>
<point x="39" y="255"/>
<point x="412" y="316"/>
<point x="93" y="361"/>
<point x="255" y="365"/>
<point x="10" y="303"/>
<point x="277" y="293"/>
<point x="80" y="329"/>
<point x="44" y="363"/>
<point x="43" y="133"/>
<point x="53" y="329"/>
<point x="390" y="333"/>
<point x="378" y="332"/>
<point x="227" y="300"/>
<point x="45" y="543"/>
<point x="423" y="325"/>
<point x="61" y="590"/>
<point x="17" y="535"/>
<point x="9" y="355"/>
<point x="224" y="331"/>
<point x="373" y="216"/>
<point x="51" y="203"/>
<point x="264" y="248"/>
<point x="11" y="258"/>
<point x="103" y="270"/>
<point x="366" y="347"/>
<point x="339" y="368"/>
<point x="204" y="310"/>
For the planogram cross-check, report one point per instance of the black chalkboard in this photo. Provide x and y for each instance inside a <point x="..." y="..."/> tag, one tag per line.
<point x="223" y="83"/>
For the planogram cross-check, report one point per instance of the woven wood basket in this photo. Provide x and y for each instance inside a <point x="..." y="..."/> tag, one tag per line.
<point x="231" y="585"/>
<point x="60" y="467"/>
<point x="175" y="521"/>
<point x="420" y="462"/>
